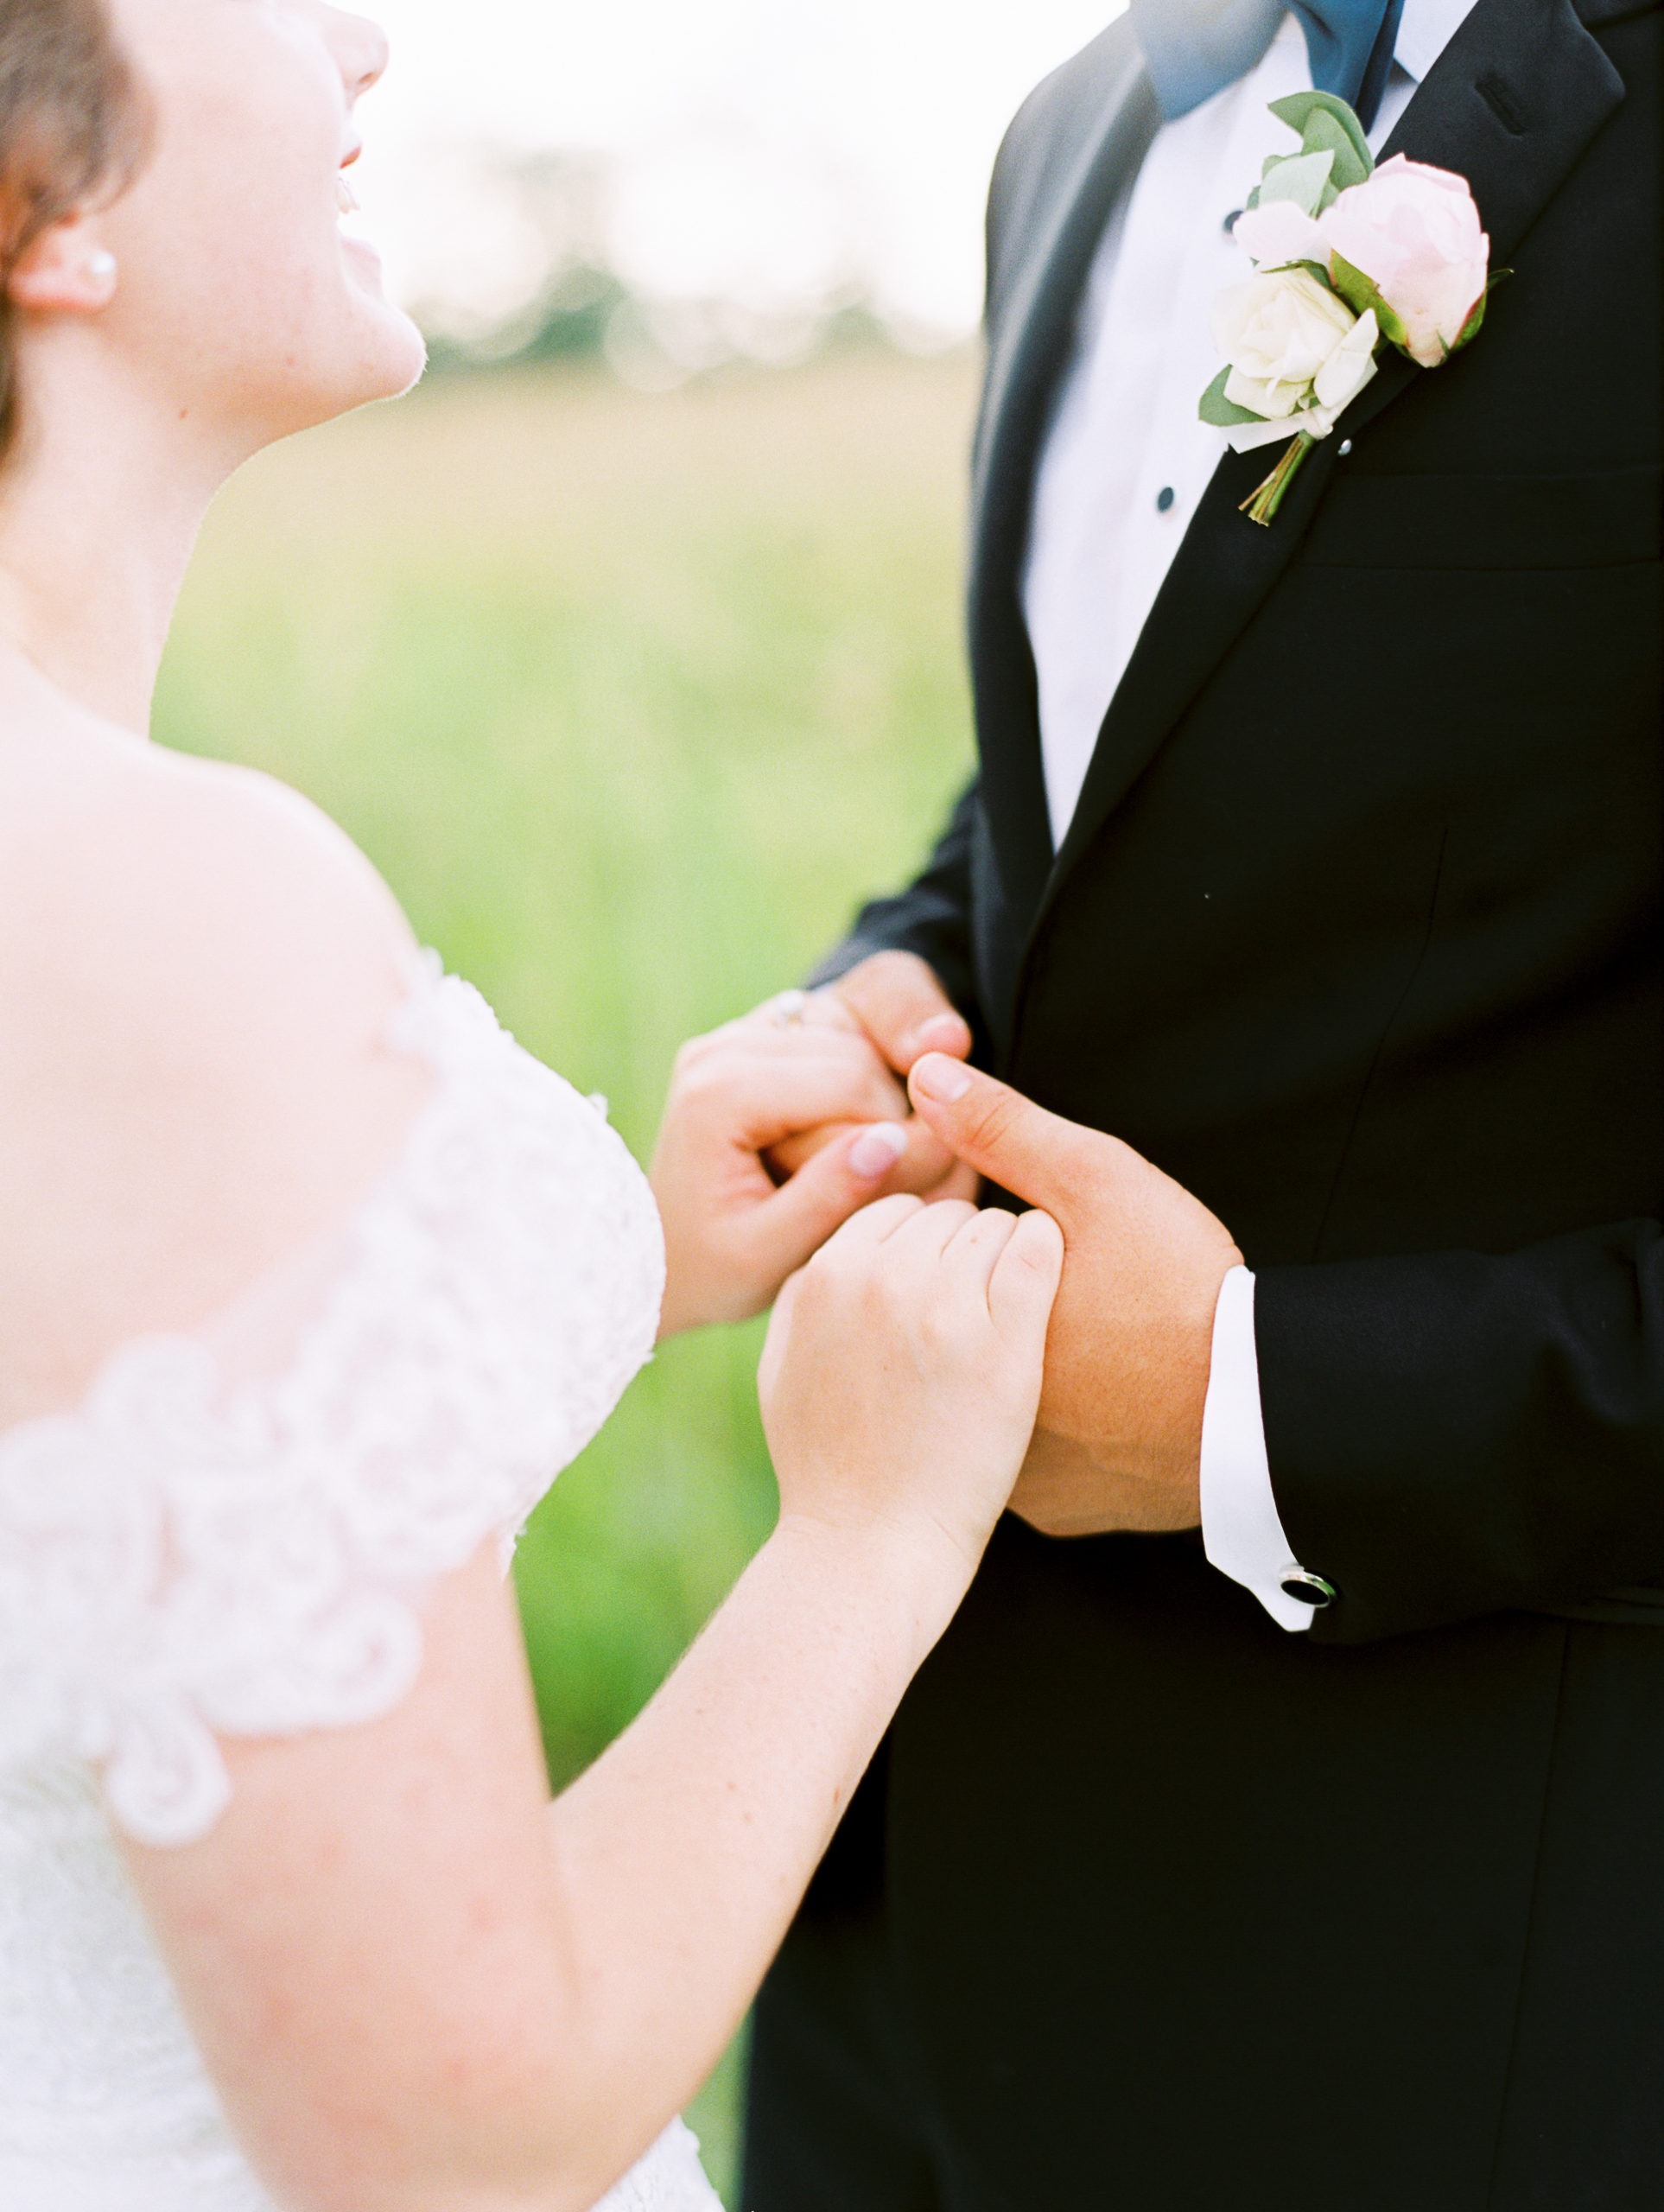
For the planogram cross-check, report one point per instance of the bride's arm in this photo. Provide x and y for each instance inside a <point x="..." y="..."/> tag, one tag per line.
<point x="421" y="1988"/>
<point x="416" y="1987"/>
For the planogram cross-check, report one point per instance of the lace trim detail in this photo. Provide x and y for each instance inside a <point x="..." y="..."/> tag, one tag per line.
<point x="669" y="2179"/>
<point x="180" y="1556"/>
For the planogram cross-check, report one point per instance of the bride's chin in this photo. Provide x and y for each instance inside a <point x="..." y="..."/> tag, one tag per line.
<point x="398" y="352"/>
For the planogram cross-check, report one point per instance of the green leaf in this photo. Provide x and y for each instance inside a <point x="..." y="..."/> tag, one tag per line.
<point x="1472" y="327"/>
<point x="1315" y="269"/>
<point x="1298" y="110"/>
<point x="1223" y="412"/>
<point x="1361" y="293"/>
<point x="1301" y="179"/>
<point x="1325" y="135"/>
<point x="1475" y="322"/>
<point x="1355" y="287"/>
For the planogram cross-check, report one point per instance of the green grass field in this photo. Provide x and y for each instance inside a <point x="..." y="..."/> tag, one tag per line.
<point x="630" y="699"/>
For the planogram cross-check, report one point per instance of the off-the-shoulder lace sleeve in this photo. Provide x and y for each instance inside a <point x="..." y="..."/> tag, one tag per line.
<point x="188" y="1553"/>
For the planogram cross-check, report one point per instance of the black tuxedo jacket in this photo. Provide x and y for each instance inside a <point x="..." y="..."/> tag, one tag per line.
<point x="1357" y="933"/>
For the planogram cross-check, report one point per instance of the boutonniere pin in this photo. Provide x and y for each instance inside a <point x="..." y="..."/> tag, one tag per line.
<point x="1347" y="256"/>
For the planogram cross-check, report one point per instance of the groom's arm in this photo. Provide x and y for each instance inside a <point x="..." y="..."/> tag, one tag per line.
<point x="1451" y="1434"/>
<point x="930" y="919"/>
<point x="1448" y="1435"/>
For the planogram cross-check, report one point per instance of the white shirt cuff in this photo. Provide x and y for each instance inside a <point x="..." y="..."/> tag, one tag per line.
<point x="1241" y="1530"/>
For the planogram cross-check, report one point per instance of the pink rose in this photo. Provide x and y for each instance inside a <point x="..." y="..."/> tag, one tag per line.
<point x="1414" y="231"/>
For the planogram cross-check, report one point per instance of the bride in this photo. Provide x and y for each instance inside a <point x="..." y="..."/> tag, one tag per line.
<point x="310" y="1280"/>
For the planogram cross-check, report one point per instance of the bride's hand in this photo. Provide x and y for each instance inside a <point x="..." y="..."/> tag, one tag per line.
<point x="894" y="1002"/>
<point x="902" y="1374"/>
<point x="777" y="1127"/>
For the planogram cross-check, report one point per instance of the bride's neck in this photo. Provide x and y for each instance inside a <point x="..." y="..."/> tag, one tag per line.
<point x="100" y="503"/>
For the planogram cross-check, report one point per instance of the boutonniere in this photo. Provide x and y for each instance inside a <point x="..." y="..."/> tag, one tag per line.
<point x="1347" y="256"/>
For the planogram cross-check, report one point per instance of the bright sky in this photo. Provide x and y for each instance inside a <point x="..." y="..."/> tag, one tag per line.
<point x="768" y="149"/>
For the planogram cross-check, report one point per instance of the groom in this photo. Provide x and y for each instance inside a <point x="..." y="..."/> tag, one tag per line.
<point x="1294" y="1832"/>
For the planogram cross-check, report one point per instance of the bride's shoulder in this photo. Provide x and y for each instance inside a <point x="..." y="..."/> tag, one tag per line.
<point x="197" y="975"/>
<point x="154" y="890"/>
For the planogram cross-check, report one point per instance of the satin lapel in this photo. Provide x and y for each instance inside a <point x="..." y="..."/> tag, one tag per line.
<point x="1030" y="333"/>
<point x="1510" y="104"/>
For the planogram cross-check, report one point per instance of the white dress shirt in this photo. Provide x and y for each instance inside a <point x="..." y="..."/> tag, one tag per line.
<point x="1127" y="461"/>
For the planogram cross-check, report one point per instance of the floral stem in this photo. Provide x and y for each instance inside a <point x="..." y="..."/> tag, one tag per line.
<point x="1266" y="501"/>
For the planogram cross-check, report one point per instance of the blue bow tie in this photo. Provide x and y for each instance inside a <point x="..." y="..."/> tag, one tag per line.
<point x="1194" y="48"/>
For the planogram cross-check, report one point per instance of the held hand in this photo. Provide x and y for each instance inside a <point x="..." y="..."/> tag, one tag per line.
<point x="895" y="1001"/>
<point x="1119" y="1435"/>
<point x="731" y="1237"/>
<point x="902" y="1373"/>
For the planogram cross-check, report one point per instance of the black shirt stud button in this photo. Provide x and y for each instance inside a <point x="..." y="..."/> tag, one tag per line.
<point x="1308" y="1589"/>
<point x="1230" y="221"/>
<point x="1163" y="498"/>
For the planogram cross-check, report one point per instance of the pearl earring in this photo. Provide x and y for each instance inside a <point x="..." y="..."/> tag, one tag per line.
<point x="101" y="266"/>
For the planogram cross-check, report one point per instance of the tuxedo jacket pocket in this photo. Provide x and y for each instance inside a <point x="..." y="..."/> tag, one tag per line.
<point x="1605" y="518"/>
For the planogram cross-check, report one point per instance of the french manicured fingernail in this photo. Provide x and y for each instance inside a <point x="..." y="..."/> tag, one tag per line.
<point x="876" y="1151"/>
<point x="940" y="1078"/>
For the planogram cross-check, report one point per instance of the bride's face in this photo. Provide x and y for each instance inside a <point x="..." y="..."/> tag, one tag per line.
<point x="238" y="297"/>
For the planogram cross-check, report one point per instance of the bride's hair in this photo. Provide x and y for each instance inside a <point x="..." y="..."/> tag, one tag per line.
<point x="72" y="124"/>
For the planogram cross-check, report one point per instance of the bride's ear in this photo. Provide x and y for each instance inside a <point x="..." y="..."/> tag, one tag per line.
<point x="67" y="269"/>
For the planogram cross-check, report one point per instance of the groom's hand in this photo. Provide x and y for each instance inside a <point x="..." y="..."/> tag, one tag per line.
<point x="1118" y="1441"/>
<point x="897" y="999"/>
<point x="894" y="1000"/>
<point x="739" y="1217"/>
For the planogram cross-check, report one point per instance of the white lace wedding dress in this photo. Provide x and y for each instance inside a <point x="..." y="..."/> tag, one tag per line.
<point x="202" y="1547"/>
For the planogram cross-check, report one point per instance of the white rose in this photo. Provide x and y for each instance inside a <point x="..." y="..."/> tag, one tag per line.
<point x="1348" y="368"/>
<point x="1336" y="384"/>
<point x="1278" y="332"/>
<point x="1414" y="231"/>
